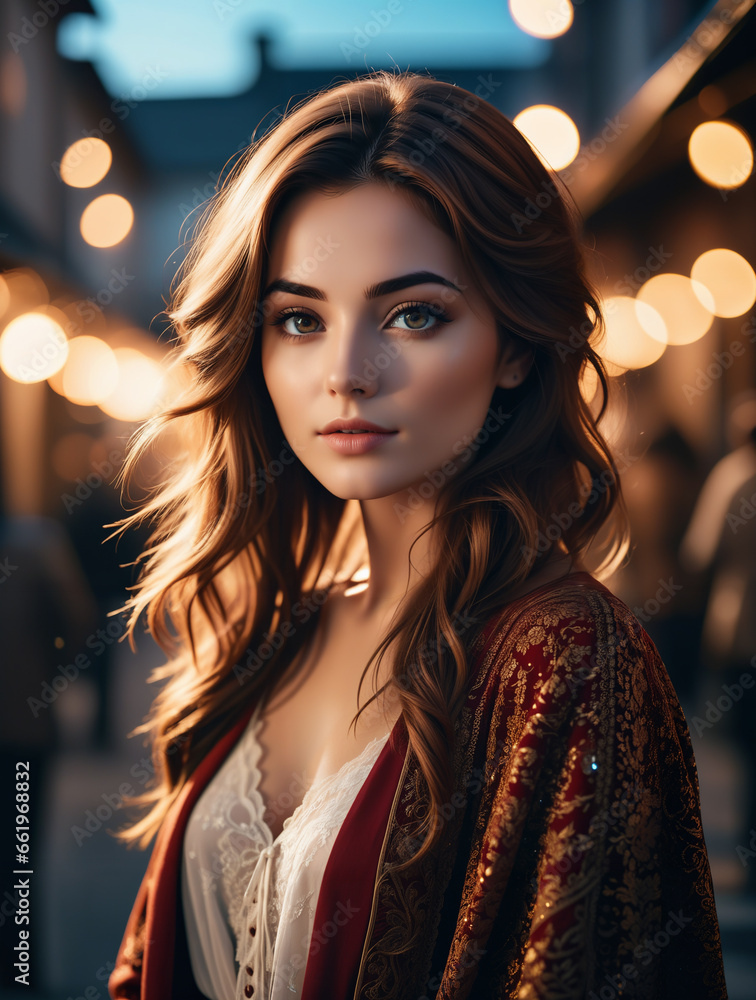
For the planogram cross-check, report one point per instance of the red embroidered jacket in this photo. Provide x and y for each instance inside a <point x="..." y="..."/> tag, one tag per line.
<point x="572" y="864"/>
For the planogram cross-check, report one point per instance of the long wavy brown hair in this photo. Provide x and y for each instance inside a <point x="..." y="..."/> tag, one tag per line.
<point x="246" y="542"/>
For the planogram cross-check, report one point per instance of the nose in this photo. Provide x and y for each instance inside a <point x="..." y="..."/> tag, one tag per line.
<point x="349" y="368"/>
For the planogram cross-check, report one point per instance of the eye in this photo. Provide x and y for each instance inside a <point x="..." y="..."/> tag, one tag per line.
<point x="415" y="316"/>
<point x="295" y="315"/>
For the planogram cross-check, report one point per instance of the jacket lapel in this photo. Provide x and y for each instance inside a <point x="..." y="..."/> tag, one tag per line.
<point x="163" y="898"/>
<point x="346" y="903"/>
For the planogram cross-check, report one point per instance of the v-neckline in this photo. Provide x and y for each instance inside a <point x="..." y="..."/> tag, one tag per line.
<point x="254" y="724"/>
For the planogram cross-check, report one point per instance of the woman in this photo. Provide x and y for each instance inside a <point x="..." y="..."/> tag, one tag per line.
<point x="384" y="375"/>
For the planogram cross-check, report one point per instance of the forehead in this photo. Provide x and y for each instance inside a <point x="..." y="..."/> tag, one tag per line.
<point x="358" y="230"/>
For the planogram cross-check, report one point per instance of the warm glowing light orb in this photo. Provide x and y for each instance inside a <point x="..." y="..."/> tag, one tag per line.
<point x="85" y="162"/>
<point x="90" y="373"/>
<point x="32" y="347"/>
<point x="139" y="387"/>
<point x="26" y="289"/>
<point x="106" y="220"/>
<point x="721" y="154"/>
<point x="542" y="18"/>
<point x="552" y="134"/>
<point x="683" y="309"/>
<point x="628" y="344"/>
<point x="729" y="280"/>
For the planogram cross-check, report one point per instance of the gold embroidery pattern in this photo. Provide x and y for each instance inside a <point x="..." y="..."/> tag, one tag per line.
<point x="587" y="864"/>
<point x="412" y="903"/>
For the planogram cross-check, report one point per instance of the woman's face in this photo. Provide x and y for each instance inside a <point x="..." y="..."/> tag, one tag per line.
<point x="353" y="330"/>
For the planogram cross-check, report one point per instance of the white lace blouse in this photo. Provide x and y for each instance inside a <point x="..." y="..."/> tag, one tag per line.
<point x="249" y="899"/>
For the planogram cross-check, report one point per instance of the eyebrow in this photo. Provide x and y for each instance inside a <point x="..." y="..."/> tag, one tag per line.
<point x="371" y="292"/>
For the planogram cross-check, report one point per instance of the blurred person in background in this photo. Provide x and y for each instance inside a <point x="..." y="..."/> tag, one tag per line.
<point x="660" y="490"/>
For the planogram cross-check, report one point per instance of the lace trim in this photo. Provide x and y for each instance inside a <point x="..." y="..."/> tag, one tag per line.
<point x="282" y="882"/>
<point x="249" y="878"/>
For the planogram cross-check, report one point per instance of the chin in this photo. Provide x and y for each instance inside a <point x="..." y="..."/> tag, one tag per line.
<point x="358" y="488"/>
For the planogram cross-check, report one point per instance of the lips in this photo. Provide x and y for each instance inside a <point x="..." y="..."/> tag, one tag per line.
<point x="356" y="425"/>
<point x="360" y="442"/>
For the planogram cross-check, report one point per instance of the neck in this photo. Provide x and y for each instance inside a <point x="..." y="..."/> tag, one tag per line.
<point x="391" y="527"/>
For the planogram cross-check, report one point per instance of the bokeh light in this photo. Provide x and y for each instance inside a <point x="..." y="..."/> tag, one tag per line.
<point x="106" y="220"/>
<point x="542" y="18"/>
<point x="729" y="279"/>
<point x="721" y="154"/>
<point x="552" y="134"/>
<point x="712" y="100"/>
<point x="686" y="316"/>
<point x="628" y="344"/>
<point x="33" y="347"/>
<point x="139" y="386"/>
<point x="90" y="373"/>
<point x="85" y="162"/>
<point x="25" y="288"/>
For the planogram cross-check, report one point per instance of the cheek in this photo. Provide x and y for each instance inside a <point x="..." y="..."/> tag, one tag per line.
<point x="281" y="396"/>
<point x="283" y="379"/>
<point x="453" y="386"/>
<point x="293" y="392"/>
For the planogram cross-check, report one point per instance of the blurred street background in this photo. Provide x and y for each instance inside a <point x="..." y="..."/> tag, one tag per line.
<point x="118" y="118"/>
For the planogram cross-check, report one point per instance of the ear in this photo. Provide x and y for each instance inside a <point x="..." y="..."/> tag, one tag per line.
<point x="516" y="362"/>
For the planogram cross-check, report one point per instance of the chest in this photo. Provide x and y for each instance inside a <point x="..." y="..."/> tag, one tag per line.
<point x="306" y="730"/>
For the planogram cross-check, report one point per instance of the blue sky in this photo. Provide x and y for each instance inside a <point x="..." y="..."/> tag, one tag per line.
<point x="203" y="48"/>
